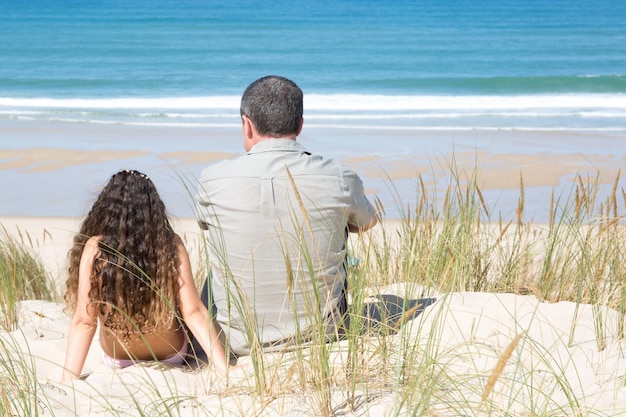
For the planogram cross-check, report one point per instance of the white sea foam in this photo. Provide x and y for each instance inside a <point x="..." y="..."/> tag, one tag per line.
<point x="337" y="102"/>
<point x="376" y="102"/>
<point x="574" y="111"/>
<point x="467" y="128"/>
<point x="212" y="102"/>
<point x="455" y="115"/>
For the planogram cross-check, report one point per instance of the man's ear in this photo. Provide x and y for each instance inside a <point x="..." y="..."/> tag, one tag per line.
<point x="301" y="124"/>
<point x="250" y="135"/>
<point x="248" y="128"/>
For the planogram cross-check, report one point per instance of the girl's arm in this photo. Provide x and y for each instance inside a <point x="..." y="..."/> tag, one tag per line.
<point x="85" y="319"/>
<point x="196" y="315"/>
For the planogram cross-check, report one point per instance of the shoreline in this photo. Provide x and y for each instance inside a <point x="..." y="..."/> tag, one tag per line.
<point x="57" y="169"/>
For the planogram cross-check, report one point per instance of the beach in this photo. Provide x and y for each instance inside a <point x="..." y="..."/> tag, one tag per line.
<point x="491" y="139"/>
<point x="551" y="349"/>
<point x="547" y="357"/>
<point x="553" y="362"/>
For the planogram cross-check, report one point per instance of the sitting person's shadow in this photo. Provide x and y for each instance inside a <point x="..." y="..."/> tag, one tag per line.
<point x="382" y="313"/>
<point x="388" y="312"/>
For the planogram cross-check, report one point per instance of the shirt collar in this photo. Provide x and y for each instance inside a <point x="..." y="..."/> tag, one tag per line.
<point x="277" y="144"/>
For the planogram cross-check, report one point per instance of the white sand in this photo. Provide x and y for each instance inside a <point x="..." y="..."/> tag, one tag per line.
<point x="459" y="338"/>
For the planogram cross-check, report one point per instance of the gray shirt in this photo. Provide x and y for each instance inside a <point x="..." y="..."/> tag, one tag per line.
<point x="277" y="255"/>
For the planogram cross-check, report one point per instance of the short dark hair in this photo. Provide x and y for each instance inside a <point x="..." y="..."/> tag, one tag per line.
<point x="274" y="105"/>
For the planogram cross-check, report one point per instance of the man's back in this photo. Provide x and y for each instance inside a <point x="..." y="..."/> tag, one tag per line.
<point x="277" y="220"/>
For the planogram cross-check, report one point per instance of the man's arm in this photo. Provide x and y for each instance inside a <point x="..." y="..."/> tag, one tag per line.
<point x="355" y="228"/>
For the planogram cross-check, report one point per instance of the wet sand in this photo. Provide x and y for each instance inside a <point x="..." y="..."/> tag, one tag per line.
<point x="57" y="168"/>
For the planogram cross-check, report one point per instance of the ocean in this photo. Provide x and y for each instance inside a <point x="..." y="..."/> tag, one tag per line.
<point x="448" y="66"/>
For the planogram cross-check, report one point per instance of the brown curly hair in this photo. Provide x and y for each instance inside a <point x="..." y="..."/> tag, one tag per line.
<point x="134" y="283"/>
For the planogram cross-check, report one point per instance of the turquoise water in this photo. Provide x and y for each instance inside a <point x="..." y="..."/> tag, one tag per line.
<point x="72" y="72"/>
<point x="418" y="64"/>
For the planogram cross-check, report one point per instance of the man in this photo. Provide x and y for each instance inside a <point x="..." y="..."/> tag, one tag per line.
<point x="277" y="220"/>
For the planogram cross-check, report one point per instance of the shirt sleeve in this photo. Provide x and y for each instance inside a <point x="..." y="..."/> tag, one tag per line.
<point x="202" y="202"/>
<point x="360" y="210"/>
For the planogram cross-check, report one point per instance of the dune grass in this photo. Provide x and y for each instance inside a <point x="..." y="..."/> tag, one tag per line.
<point x="22" y="276"/>
<point x="447" y="244"/>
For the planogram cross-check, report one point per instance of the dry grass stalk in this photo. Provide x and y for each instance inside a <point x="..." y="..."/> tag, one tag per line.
<point x="520" y="202"/>
<point x="614" y="194"/>
<point x="445" y="200"/>
<point x="5" y="399"/>
<point x="380" y="208"/>
<point x="577" y="202"/>
<point x="503" y="231"/>
<point x="407" y="315"/>
<point x="497" y="371"/>
<point x="482" y="201"/>
<point x="299" y="200"/>
<point x="551" y="211"/>
<point x="422" y="187"/>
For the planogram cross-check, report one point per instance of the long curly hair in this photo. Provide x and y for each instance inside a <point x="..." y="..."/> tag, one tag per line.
<point x="134" y="283"/>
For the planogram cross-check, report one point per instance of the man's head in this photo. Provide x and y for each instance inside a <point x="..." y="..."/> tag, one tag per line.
<point x="274" y="106"/>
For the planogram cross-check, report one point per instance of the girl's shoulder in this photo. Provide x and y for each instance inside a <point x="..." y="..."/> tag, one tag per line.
<point x="92" y="246"/>
<point x="178" y="242"/>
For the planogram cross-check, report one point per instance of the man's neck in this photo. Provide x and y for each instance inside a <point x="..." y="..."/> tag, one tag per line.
<point x="266" y="138"/>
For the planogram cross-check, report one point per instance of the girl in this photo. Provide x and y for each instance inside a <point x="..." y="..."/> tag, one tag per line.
<point x="131" y="272"/>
